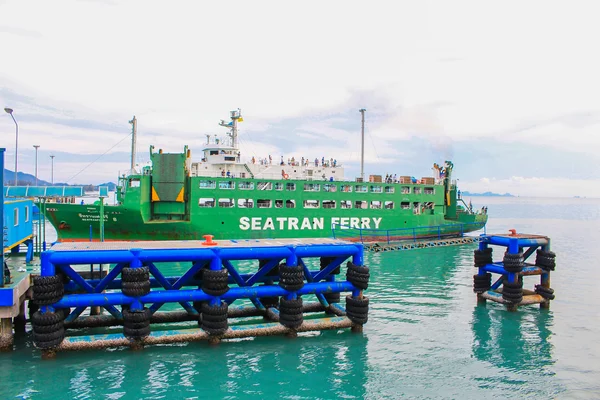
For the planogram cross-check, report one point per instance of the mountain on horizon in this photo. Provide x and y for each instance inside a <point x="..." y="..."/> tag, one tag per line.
<point x="24" y="179"/>
<point x="465" y="193"/>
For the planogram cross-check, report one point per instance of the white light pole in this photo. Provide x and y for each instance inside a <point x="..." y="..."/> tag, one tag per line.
<point x="362" y="145"/>
<point x="36" y="151"/>
<point x="52" y="169"/>
<point x="10" y="111"/>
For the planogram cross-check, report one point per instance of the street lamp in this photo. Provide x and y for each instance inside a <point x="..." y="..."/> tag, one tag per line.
<point x="36" y="151"/>
<point x="10" y="111"/>
<point x="52" y="170"/>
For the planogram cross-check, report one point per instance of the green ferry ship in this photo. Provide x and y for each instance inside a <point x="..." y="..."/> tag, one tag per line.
<point x="177" y="199"/>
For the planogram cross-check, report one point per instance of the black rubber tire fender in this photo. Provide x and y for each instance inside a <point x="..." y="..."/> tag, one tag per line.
<point x="49" y="336"/>
<point x="45" y="319"/>
<point x="136" y="316"/>
<point x="136" y="333"/>
<point x="42" y="329"/>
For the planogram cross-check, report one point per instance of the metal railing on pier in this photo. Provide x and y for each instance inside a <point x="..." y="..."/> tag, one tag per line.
<point x="405" y="234"/>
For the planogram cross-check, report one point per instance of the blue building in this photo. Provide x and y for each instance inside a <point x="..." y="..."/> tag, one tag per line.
<point x="18" y="223"/>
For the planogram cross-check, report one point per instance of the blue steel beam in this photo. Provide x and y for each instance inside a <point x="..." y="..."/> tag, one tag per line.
<point x="174" y="255"/>
<point x="175" y="286"/>
<point x="329" y="269"/>
<point x="522" y="242"/>
<point x="154" y="283"/>
<point x="243" y="283"/>
<point x="310" y="279"/>
<point x="172" y="296"/>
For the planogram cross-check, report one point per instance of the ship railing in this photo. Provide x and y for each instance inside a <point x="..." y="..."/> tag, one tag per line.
<point x="364" y="235"/>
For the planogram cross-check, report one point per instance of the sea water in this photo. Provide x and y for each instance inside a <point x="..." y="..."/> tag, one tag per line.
<point x="426" y="336"/>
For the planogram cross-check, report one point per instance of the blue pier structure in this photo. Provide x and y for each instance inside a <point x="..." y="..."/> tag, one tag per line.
<point x="17" y="232"/>
<point x="216" y="277"/>
<point x="508" y="287"/>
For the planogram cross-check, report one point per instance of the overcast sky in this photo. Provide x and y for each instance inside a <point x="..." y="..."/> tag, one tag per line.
<point x="510" y="91"/>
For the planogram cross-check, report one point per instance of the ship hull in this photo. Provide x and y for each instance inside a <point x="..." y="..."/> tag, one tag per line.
<point x="81" y="223"/>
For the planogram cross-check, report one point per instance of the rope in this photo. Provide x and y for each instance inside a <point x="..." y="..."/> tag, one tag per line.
<point x="97" y="158"/>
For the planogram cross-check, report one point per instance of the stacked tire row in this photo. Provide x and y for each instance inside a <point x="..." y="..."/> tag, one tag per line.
<point x="135" y="282"/>
<point x="482" y="282"/>
<point x="513" y="262"/>
<point x="330" y="297"/>
<point x="48" y="327"/>
<point x="213" y="318"/>
<point x="291" y="278"/>
<point x="512" y="292"/>
<point x="546" y="260"/>
<point x="357" y="308"/>
<point x="546" y="292"/>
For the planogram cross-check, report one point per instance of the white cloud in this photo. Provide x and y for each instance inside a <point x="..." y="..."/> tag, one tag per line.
<point x="445" y="72"/>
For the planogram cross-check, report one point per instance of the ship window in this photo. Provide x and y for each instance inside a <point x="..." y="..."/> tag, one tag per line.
<point x="226" y="185"/>
<point x="346" y="204"/>
<point x="312" y="187"/>
<point x="244" y="203"/>
<point x="416" y="208"/>
<point x="329" y="187"/>
<point x="214" y="152"/>
<point x="278" y="203"/>
<point x="346" y="188"/>
<point x="278" y="186"/>
<point x="376" y="205"/>
<point x="229" y="158"/>
<point x="429" y="190"/>
<point x="206" y="203"/>
<point x="246" y="185"/>
<point x="265" y="186"/>
<point x="405" y="190"/>
<point x="389" y="189"/>
<point x="311" y="203"/>
<point x="405" y="205"/>
<point x="389" y="205"/>
<point x="328" y="203"/>
<point x="429" y="205"/>
<point x="417" y="190"/>
<point x="263" y="203"/>
<point x="226" y="203"/>
<point x="205" y="184"/>
<point x="16" y="216"/>
<point x="290" y="204"/>
<point x="360" y="188"/>
<point x="26" y="213"/>
<point x="376" y="189"/>
<point x="290" y="186"/>
<point x="134" y="183"/>
<point x="360" y="204"/>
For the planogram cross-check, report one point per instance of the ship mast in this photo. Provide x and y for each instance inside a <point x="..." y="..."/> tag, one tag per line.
<point x="133" y="122"/>
<point x="233" y="133"/>
<point x="362" y="145"/>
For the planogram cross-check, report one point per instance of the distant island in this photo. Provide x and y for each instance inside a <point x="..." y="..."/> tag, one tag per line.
<point x="465" y="193"/>
<point x="24" y="179"/>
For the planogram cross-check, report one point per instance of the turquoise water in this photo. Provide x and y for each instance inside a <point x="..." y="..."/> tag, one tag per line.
<point x="426" y="336"/>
